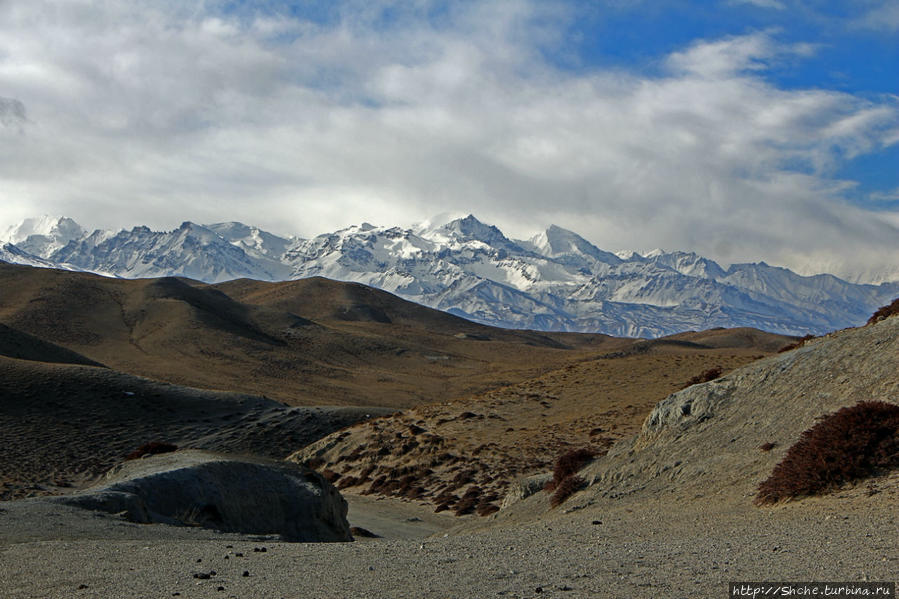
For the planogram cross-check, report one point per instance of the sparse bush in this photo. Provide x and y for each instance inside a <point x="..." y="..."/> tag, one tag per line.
<point x="462" y="478"/>
<point x="566" y="489"/>
<point x="315" y="463"/>
<point x="767" y="446"/>
<point x="885" y="312"/>
<point x="796" y="344"/>
<point x="151" y="448"/>
<point x="468" y="502"/>
<point x="358" y="531"/>
<point x="852" y="443"/>
<point x="347" y="481"/>
<point x="709" y="375"/>
<point x="330" y="475"/>
<point x="486" y="508"/>
<point x="445" y="501"/>
<point x="568" y="464"/>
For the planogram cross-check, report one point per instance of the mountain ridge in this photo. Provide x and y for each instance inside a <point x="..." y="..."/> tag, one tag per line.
<point x="555" y="281"/>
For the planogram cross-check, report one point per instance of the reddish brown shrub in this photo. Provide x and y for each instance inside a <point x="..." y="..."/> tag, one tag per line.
<point x="358" y="531"/>
<point x="566" y="489"/>
<point x="569" y="463"/>
<point x="377" y="486"/>
<point x="315" y="463"/>
<point x="852" y="443"/>
<point x="796" y="344"/>
<point x="709" y="375"/>
<point x="885" y="312"/>
<point x="462" y="478"/>
<point x="330" y="475"/>
<point x="151" y="448"/>
<point x="445" y="501"/>
<point x="347" y="481"/>
<point x="468" y="502"/>
<point x="767" y="446"/>
<point x="486" y="508"/>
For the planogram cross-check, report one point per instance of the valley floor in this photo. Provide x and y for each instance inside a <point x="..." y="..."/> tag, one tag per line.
<point x="647" y="548"/>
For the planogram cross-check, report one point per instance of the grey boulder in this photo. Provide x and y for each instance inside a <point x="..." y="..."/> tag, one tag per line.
<point x="242" y="494"/>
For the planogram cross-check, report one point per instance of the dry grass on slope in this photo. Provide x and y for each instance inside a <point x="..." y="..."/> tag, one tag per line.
<point x="463" y="456"/>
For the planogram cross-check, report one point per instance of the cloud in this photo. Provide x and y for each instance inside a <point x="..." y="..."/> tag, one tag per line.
<point x="160" y="112"/>
<point x="776" y="4"/>
<point x="884" y="16"/>
<point x="12" y="114"/>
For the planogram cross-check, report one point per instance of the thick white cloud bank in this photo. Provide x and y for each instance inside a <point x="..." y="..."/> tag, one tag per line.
<point x="120" y="113"/>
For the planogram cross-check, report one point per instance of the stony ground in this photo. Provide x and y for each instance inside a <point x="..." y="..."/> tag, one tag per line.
<point x="690" y="549"/>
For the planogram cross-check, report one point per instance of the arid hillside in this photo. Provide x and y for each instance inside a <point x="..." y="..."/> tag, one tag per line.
<point x="464" y="455"/>
<point x="308" y="342"/>
<point x="716" y="442"/>
<point x="92" y="367"/>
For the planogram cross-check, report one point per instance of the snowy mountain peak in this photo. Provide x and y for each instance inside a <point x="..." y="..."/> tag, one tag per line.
<point x="555" y="281"/>
<point x="436" y="222"/>
<point x="687" y="263"/>
<point x="253" y="239"/>
<point x="557" y="242"/>
<point x="43" y="235"/>
<point x="470" y="228"/>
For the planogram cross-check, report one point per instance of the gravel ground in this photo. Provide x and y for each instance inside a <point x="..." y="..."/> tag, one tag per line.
<point x="637" y="549"/>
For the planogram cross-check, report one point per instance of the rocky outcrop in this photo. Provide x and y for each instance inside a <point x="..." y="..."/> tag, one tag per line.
<point x="233" y="494"/>
<point x="725" y="436"/>
<point x="525" y="487"/>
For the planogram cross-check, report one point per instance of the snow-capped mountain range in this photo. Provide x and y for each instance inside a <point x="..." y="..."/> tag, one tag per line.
<point x="555" y="281"/>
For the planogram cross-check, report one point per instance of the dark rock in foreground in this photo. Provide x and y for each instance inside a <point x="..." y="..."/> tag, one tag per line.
<point x="232" y="494"/>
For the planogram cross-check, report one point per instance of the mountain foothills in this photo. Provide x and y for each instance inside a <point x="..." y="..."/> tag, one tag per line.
<point x="91" y="367"/>
<point x="555" y="281"/>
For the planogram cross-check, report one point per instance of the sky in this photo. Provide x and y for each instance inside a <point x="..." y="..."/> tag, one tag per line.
<point x="744" y="130"/>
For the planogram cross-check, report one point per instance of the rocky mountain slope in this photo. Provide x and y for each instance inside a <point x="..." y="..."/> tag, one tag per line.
<point x="722" y="438"/>
<point x="555" y="281"/>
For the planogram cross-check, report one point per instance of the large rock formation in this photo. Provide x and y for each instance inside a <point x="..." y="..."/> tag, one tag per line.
<point x="233" y="494"/>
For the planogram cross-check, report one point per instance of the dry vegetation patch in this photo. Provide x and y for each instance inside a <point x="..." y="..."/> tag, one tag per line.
<point x="796" y="344"/>
<point x="891" y="309"/>
<point x="565" y="481"/>
<point x="566" y="489"/>
<point x="852" y="443"/>
<point x="151" y="448"/>
<point x="463" y="456"/>
<point x="708" y="375"/>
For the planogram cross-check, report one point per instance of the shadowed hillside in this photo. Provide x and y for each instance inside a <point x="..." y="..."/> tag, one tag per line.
<point x="64" y="425"/>
<point x="303" y="342"/>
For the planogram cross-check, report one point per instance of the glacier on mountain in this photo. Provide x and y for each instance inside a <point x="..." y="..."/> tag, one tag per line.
<point x="557" y="280"/>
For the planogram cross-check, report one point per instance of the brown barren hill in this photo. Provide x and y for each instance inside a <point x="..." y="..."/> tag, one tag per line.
<point x="302" y="342"/>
